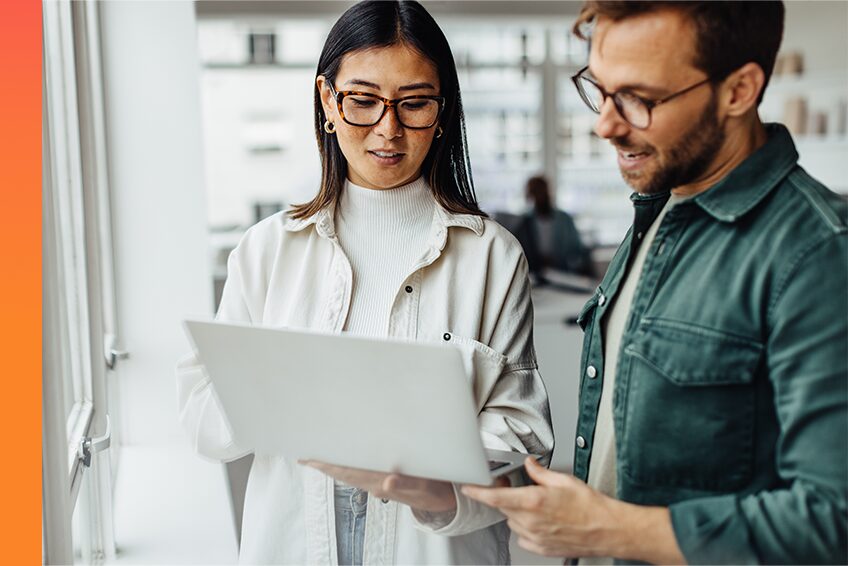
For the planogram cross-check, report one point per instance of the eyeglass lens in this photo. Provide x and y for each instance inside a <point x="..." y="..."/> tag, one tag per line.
<point x="628" y="105"/>
<point x="412" y="113"/>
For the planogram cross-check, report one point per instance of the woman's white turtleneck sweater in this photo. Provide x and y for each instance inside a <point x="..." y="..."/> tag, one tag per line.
<point x="383" y="233"/>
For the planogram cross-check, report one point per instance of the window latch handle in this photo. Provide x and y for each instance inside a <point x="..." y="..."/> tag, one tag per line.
<point x="89" y="445"/>
<point x="112" y="357"/>
<point x="112" y="353"/>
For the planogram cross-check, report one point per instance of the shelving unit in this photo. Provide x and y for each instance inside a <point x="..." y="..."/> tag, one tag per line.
<point x="502" y="112"/>
<point x="825" y="94"/>
<point x="523" y="118"/>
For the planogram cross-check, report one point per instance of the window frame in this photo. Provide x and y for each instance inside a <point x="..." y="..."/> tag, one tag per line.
<point x="77" y="285"/>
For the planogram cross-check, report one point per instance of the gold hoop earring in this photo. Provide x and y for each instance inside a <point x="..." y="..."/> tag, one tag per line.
<point x="439" y="132"/>
<point x="329" y="127"/>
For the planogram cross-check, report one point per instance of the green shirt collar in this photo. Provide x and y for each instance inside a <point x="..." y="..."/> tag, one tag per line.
<point x="749" y="183"/>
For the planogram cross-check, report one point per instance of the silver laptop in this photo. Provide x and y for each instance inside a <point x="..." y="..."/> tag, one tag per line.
<point x="388" y="406"/>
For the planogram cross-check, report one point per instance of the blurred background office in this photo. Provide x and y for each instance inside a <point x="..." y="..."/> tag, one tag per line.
<point x="171" y="127"/>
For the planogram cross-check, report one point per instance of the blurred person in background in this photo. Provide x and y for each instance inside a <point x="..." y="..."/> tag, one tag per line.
<point x="393" y="245"/>
<point x="551" y="240"/>
<point x="714" y="379"/>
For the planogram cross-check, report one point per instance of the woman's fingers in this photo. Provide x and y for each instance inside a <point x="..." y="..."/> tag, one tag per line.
<point x="400" y="482"/>
<point x="416" y="492"/>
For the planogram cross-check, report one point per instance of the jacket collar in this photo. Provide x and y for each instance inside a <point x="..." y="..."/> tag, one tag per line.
<point x="447" y="219"/>
<point x="749" y="183"/>
<point x="753" y="179"/>
<point x="322" y="220"/>
<point x="324" y="223"/>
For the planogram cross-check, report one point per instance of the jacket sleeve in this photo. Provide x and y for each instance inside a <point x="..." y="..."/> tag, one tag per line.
<point x="200" y="415"/>
<point x="805" y="521"/>
<point x="514" y="413"/>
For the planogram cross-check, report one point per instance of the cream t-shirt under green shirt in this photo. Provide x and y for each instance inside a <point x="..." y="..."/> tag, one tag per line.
<point x="602" y="464"/>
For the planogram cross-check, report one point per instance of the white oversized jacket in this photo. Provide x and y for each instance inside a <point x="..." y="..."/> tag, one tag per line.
<point x="470" y="283"/>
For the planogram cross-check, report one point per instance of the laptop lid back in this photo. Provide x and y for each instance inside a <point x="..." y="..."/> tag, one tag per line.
<point x="389" y="406"/>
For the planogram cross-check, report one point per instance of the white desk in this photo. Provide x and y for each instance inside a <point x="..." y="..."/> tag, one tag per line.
<point x="558" y="348"/>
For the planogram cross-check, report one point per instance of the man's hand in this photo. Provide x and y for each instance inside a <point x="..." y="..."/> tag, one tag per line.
<point x="562" y="516"/>
<point x="421" y="494"/>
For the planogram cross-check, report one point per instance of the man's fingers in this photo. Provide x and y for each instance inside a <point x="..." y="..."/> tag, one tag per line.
<point x="517" y="524"/>
<point x="323" y="466"/>
<point x="543" y="476"/>
<point x="490" y="496"/>
<point x="505" y="498"/>
<point x="314" y="464"/>
<point x="518" y="529"/>
<point x="531" y="546"/>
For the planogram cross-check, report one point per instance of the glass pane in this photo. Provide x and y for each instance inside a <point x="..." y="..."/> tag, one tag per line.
<point x="67" y="195"/>
<point x="301" y="41"/>
<point x="567" y="49"/>
<point x="260" y="145"/>
<point x="494" y="43"/>
<point x="222" y="42"/>
<point x="502" y="112"/>
<point x="589" y="184"/>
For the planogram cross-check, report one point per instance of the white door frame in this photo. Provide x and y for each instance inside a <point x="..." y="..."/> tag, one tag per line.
<point x="77" y="287"/>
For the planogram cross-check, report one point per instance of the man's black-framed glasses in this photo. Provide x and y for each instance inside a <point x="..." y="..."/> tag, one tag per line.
<point x="634" y="109"/>
<point x="416" y="112"/>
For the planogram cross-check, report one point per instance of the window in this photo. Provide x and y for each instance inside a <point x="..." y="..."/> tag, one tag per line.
<point x="76" y="290"/>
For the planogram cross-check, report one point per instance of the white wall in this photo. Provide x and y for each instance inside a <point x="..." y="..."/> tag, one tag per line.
<point x="171" y="507"/>
<point x="246" y="107"/>
<point x="819" y="29"/>
<point x="152" y="93"/>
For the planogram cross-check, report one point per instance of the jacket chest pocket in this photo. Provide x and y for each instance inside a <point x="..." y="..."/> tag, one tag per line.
<point x="689" y="407"/>
<point x="483" y="365"/>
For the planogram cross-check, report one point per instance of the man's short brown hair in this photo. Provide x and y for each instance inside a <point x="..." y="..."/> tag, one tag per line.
<point x="729" y="33"/>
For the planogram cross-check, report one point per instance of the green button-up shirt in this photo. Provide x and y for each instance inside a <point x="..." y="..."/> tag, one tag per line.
<point x="730" y="402"/>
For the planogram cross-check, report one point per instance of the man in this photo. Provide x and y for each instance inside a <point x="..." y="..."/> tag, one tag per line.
<point x="714" y="394"/>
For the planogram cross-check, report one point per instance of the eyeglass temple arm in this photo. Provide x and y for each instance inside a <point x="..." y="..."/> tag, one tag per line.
<point x="676" y="94"/>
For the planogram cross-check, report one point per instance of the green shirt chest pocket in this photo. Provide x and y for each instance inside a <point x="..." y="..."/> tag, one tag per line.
<point x="688" y="410"/>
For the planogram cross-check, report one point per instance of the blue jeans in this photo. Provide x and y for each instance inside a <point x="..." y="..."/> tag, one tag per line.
<point x="350" y="504"/>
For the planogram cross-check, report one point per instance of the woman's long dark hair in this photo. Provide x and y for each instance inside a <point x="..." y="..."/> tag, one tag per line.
<point x="376" y="23"/>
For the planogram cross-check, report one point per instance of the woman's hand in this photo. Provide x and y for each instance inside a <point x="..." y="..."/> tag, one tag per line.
<point x="420" y="494"/>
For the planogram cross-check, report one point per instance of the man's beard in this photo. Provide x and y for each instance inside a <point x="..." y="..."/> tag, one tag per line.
<point x="686" y="160"/>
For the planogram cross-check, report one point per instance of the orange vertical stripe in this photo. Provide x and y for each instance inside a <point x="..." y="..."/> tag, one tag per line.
<point x="20" y="279"/>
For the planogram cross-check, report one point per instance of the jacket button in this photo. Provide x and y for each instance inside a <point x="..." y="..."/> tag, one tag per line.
<point x="602" y="300"/>
<point x="581" y="442"/>
<point x="447" y="336"/>
<point x="384" y="500"/>
<point x="592" y="372"/>
<point x="408" y="289"/>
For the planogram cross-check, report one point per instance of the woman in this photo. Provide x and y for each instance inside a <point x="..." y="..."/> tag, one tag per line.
<point x="393" y="245"/>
